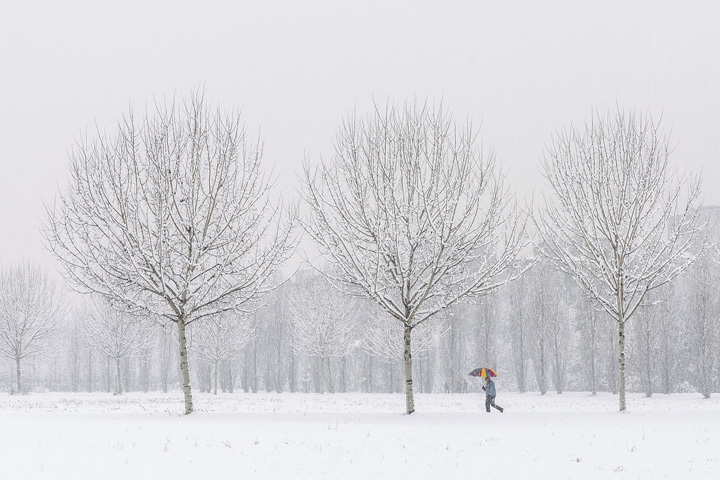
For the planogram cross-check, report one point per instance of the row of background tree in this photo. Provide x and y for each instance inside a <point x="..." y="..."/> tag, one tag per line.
<point x="171" y="218"/>
<point x="539" y="333"/>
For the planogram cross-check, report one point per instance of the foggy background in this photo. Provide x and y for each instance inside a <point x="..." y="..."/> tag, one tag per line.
<point x="520" y="69"/>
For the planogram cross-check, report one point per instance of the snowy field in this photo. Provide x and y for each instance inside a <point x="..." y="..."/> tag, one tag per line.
<point x="357" y="436"/>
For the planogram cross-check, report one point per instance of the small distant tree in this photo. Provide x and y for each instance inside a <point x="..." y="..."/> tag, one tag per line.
<point x="166" y="354"/>
<point x="484" y="335"/>
<point x="543" y="299"/>
<point x="322" y="325"/>
<point x="668" y="347"/>
<point x="117" y="334"/>
<point x="702" y="320"/>
<point x="590" y="328"/>
<point x="30" y="309"/>
<point x="615" y="220"/>
<point x="518" y="330"/>
<point x="221" y="338"/>
<point x="560" y="336"/>
<point x="646" y="329"/>
<point x="412" y="215"/>
<point x="171" y="217"/>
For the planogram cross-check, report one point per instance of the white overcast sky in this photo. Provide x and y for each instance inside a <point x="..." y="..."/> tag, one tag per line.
<point x="521" y="69"/>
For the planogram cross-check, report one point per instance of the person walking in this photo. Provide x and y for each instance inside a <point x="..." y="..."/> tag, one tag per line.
<point x="490" y="395"/>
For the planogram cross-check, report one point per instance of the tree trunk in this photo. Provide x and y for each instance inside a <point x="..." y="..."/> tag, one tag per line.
<point x="409" y="396"/>
<point x="542" y="376"/>
<point x="166" y="361"/>
<point x="254" y="377"/>
<point x="17" y="372"/>
<point x="90" y="371"/>
<point x="649" y="367"/>
<point x="118" y="388"/>
<point x="429" y="373"/>
<point x="215" y="379"/>
<point x="331" y="385"/>
<point x="292" y="373"/>
<point x="184" y="366"/>
<point x="368" y="374"/>
<point x="343" y="374"/>
<point x="558" y="368"/>
<point x="146" y="370"/>
<point x="317" y="375"/>
<point x="279" y="378"/>
<point x="621" y="334"/>
<point x="231" y="375"/>
<point x="520" y="361"/>
<point x="593" y="371"/>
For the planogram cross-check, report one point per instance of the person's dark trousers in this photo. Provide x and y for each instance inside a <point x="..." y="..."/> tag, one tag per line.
<point x="490" y="402"/>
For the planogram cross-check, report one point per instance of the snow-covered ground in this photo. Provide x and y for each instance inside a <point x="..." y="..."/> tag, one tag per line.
<point x="357" y="436"/>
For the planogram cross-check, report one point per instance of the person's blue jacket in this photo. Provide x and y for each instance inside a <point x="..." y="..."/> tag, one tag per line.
<point x="490" y="388"/>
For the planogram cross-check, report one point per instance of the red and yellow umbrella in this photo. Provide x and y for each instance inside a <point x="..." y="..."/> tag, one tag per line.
<point x="483" y="372"/>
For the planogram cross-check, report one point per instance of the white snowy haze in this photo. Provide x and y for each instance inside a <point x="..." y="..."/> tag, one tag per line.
<point x="519" y="69"/>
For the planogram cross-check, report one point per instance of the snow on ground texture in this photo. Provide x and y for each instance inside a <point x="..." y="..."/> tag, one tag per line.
<point x="357" y="436"/>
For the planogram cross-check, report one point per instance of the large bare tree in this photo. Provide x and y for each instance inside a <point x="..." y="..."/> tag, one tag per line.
<point x="170" y="216"/>
<point x="617" y="220"/>
<point x="30" y="309"/>
<point x="412" y="215"/>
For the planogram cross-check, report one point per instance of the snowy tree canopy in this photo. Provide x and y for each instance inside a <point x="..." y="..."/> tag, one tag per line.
<point x="171" y="215"/>
<point x="411" y="213"/>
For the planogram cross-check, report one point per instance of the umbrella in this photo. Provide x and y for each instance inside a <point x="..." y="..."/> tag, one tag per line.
<point x="483" y="372"/>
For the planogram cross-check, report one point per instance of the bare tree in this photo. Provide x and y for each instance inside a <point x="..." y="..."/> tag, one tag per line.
<point x="645" y="331"/>
<point x="668" y="340"/>
<point x="413" y="216"/>
<point x="518" y="330"/>
<point x="117" y="334"/>
<point x="702" y="320"/>
<point x="615" y="220"/>
<point x="30" y="309"/>
<point x="321" y="325"/>
<point x="590" y="335"/>
<point x="560" y="334"/>
<point x="273" y="332"/>
<point x="166" y="353"/>
<point x="221" y="338"/>
<point x="172" y="217"/>
<point x="544" y="301"/>
<point x="484" y="334"/>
